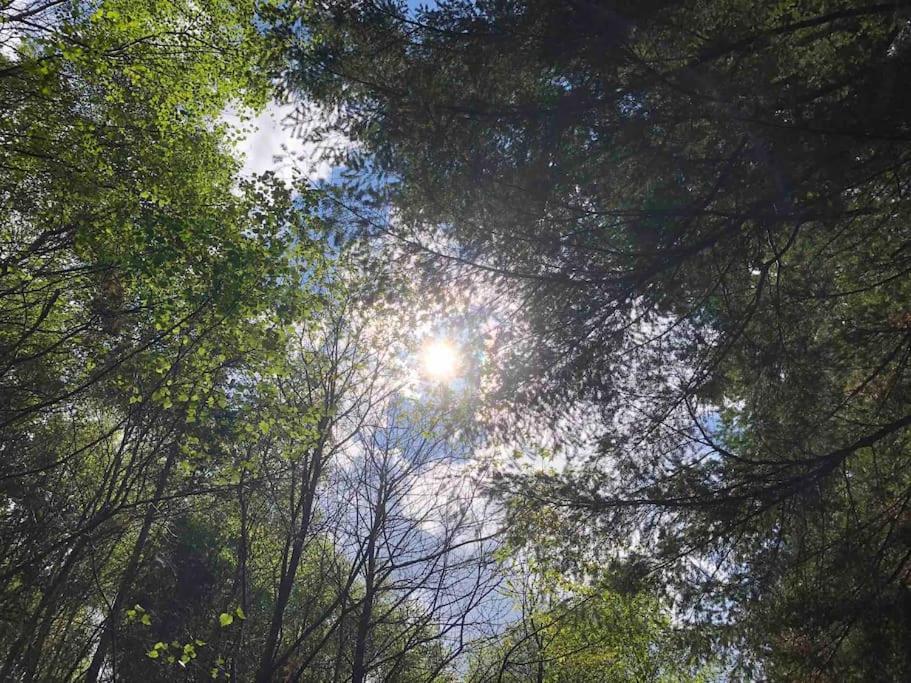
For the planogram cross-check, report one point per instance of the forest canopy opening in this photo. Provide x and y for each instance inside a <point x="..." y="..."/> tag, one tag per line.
<point x="487" y="341"/>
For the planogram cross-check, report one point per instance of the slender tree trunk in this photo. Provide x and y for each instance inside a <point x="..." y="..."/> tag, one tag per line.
<point x="539" y="647"/>
<point x="337" y="676"/>
<point x="241" y="571"/>
<point x="359" y="663"/>
<point x="110" y="625"/>
<point x="286" y="584"/>
<point x="358" y="666"/>
<point x="26" y="638"/>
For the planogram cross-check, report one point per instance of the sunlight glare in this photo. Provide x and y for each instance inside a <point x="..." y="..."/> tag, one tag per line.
<point x="440" y="359"/>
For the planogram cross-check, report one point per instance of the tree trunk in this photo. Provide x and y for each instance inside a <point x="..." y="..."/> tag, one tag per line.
<point x="110" y="625"/>
<point x="286" y="584"/>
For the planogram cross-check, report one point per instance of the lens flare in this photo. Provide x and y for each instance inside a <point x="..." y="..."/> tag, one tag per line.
<point x="440" y="360"/>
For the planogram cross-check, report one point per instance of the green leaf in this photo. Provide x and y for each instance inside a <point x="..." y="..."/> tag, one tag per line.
<point x="225" y="619"/>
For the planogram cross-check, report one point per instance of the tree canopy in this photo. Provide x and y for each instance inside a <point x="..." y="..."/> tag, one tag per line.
<point x="699" y="213"/>
<point x="658" y="252"/>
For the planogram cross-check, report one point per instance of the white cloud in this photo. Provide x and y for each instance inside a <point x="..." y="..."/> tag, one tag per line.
<point x="277" y="140"/>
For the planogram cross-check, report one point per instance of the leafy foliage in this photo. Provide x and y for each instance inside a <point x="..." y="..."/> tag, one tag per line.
<point x="696" y="215"/>
<point x="675" y="234"/>
<point x="578" y="633"/>
<point x="139" y="281"/>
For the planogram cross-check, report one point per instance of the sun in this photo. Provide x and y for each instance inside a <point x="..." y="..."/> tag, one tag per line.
<point x="440" y="359"/>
